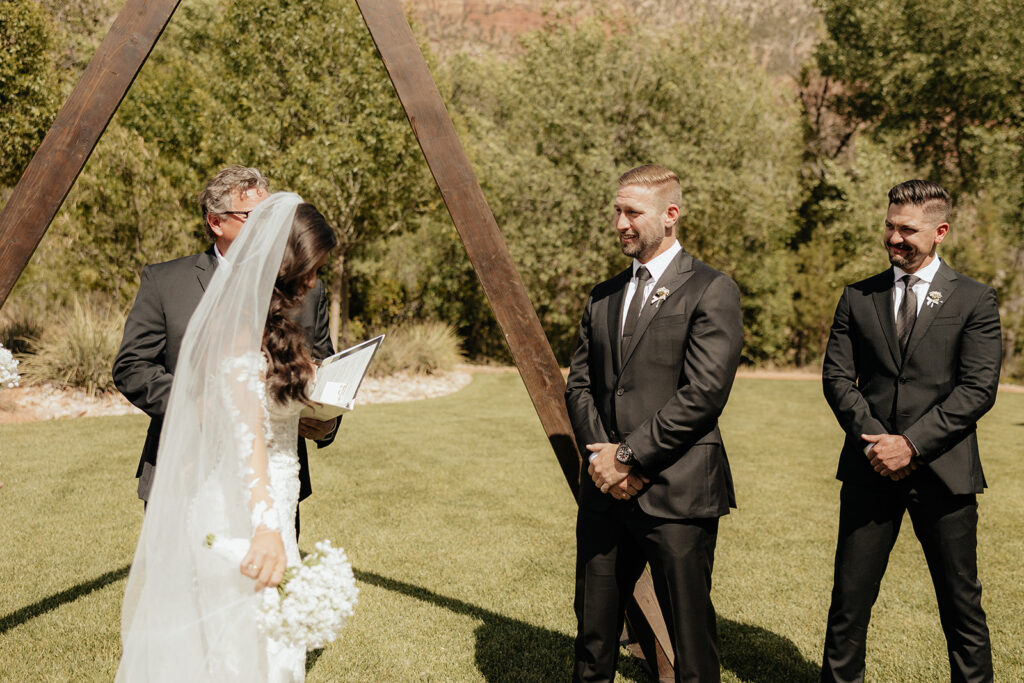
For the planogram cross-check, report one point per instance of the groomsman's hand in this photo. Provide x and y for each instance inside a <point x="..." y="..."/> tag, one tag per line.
<point x="316" y="430"/>
<point x="889" y="454"/>
<point x="604" y="469"/>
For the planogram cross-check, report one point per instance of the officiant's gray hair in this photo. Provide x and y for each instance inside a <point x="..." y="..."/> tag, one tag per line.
<point x="216" y="196"/>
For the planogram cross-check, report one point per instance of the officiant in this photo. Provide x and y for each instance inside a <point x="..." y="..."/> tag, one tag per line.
<point x="168" y="295"/>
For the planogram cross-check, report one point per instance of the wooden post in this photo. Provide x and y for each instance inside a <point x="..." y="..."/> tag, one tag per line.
<point x="75" y="132"/>
<point x="498" y="275"/>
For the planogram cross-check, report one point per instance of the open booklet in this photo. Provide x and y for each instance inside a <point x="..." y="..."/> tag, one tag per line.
<point x="338" y="379"/>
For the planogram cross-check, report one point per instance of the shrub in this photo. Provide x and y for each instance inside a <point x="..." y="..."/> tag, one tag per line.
<point x="423" y="347"/>
<point x="79" y="352"/>
<point x="19" y="332"/>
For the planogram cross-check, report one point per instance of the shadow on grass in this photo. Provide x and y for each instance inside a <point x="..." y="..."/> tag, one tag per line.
<point x="57" y="599"/>
<point x="506" y="649"/>
<point x="757" y="655"/>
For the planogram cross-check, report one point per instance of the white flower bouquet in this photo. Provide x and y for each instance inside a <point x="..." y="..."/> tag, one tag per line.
<point x="9" y="376"/>
<point x="313" y="601"/>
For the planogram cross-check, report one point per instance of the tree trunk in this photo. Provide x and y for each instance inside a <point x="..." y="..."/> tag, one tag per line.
<point x="338" y="303"/>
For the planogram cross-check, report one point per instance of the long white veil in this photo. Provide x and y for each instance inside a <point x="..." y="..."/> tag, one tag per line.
<point x="189" y="614"/>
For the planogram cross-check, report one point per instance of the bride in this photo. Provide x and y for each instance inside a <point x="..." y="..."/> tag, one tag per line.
<point x="228" y="465"/>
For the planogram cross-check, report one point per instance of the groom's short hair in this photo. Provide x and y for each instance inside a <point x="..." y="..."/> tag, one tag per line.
<point x="216" y="196"/>
<point x="658" y="177"/>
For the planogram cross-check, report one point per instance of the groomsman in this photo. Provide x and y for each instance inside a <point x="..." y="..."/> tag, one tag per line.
<point x="912" y="364"/>
<point x="658" y="351"/>
<point x="168" y="295"/>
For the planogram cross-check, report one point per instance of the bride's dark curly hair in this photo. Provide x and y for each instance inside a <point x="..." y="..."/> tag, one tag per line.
<point x="290" y="367"/>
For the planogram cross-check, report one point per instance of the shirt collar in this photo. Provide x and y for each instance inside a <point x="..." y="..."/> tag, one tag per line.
<point x="221" y="258"/>
<point x="927" y="274"/>
<point x="657" y="265"/>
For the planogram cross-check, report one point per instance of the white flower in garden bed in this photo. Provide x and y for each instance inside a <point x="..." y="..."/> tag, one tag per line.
<point x="314" y="600"/>
<point x="9" y="376"/>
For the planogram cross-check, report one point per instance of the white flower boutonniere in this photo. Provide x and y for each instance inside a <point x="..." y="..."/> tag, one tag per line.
<point x="660" y="295"/>
<point x="934" y="298"/>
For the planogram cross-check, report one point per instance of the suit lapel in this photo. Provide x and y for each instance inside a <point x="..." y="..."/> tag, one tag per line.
<point x="615" y="317"/>
<point x="206" y="264"/>
<point x="673" y="279"/>
<point x="886" y="317"/>
<point x="943" y="284"/>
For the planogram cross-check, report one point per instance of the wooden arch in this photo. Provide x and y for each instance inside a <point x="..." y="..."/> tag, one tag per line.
<point x="83" y="118"/>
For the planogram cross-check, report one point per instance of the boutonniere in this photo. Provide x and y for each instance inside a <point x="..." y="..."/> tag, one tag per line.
<point x="660" y="295"/>
<point x="934" y="298"/>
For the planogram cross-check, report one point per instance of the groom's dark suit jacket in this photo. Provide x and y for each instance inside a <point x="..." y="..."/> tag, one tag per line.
<point x="168" y="295"/>
<point x="934" y="395"/>
<point x="664" y="393"/>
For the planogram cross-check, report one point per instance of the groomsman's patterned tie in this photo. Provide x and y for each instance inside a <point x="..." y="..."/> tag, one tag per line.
<point x="907" y="314"/>
<point x="635" y="305"/>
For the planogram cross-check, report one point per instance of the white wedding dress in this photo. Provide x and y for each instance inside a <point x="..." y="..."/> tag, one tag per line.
<point x="281" y="434"/>
<point x="227" y="463"/>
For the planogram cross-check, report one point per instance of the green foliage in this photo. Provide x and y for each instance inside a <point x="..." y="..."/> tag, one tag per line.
<point x="551" y="130"/>
<point x="79" y="351"/>
<point x="311" y="104"/>
<point x="945" y="76"/>
<point x="841" y="237"/>
<point x="425" y="347"/>
<point x="28" y="84"/>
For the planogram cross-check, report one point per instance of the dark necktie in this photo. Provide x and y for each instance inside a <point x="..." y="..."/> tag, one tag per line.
<point x="635" y="305"/>
<point x="907" y="314"/>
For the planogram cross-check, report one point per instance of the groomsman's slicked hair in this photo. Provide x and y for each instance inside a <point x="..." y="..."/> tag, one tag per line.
<point x="216" y="196"/>
<point x="933" y="197"/>
<point x="652" y="175"/>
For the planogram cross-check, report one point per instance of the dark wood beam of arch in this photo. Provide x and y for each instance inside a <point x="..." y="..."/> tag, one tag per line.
<point x="75" y="132"/>
<point x="494" y="267"/>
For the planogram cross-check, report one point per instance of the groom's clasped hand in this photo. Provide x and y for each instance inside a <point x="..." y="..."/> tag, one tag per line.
<point x="612" y="476"/>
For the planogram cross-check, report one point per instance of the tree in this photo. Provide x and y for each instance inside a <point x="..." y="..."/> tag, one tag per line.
<point x="28" y="84"/>
<point x="552" y="128"/>
<point x="313" y="106"/>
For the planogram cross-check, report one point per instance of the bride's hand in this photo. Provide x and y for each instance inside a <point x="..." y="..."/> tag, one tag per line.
<point x="265" y="562"/>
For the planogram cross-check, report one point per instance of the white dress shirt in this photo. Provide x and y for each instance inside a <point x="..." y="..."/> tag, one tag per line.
<point x="927" y="274"/>
<point x="656" y="267"/>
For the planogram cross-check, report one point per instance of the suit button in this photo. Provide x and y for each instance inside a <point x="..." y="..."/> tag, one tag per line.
<point x="613" y="435"/>
<point x="620" y="391"/>
<point x="902" y="380"/>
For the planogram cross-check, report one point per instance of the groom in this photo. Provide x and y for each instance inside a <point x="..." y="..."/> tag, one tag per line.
<point x="168" y="295"/>
<point x="659" y="346"/>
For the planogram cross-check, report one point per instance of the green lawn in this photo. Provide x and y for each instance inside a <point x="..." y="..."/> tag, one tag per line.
<point x="460" y="528"/>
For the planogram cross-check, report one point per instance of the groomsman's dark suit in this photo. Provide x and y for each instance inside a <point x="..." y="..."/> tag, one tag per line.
<point x="662" y="396"/>
<point x="168" y="295"/>
<point x="933" y="394"/>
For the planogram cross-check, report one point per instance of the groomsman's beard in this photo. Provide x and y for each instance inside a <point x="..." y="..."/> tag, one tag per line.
<point x="905" y="255"/>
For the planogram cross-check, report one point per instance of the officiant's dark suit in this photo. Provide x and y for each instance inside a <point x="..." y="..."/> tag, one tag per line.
<point x="916" y="404"/>
<point x="653" y="400"/>
<point x="168" y="295"/>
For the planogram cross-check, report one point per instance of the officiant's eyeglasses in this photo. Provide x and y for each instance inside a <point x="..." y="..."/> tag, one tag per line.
<point x="244" y="214"/>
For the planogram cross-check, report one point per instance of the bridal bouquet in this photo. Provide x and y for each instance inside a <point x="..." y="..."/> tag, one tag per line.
<point x="313" y="601"/>
<point x="8" y="369"/>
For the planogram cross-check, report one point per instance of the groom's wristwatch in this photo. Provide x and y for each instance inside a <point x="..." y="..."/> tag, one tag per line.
<point x="624" y="454"/>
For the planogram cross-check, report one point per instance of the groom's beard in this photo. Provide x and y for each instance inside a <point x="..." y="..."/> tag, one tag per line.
<point x="642" y="244"/>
